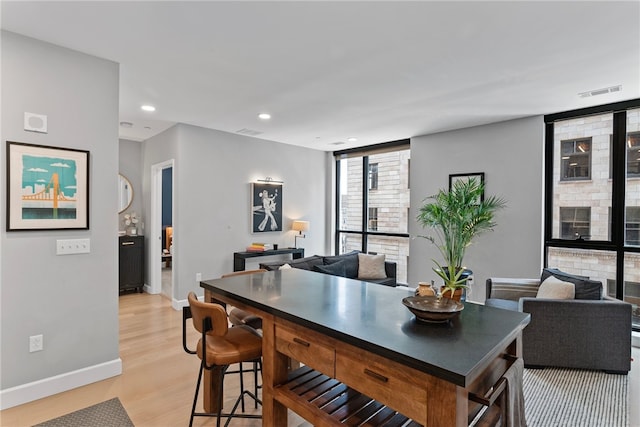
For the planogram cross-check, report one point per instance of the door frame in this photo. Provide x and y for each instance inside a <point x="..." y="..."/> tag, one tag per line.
<point x="155" y="233"/>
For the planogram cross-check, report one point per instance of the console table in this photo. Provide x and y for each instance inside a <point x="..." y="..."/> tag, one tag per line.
<point x="239" y="258"/>
<point x="356" y="340"/>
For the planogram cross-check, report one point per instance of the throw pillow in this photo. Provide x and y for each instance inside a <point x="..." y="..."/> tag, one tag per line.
<point x="351" y="263"/>
<point x="371" y="267"/>
<point x="285" y="267"/>
<point x="335" y="269"/>
<point x="585" y="287"/>
<point x="554" y="288"/>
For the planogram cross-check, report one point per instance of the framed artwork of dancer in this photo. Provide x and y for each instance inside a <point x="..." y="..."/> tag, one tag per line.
<point x="266" y="207"/>
<point x="47" y="187"/>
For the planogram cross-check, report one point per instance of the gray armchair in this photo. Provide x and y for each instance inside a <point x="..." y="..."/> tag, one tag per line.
<point x="586" y="334"/>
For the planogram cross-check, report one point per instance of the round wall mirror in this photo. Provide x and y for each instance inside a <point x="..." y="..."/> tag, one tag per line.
<point x="125" y="193"/>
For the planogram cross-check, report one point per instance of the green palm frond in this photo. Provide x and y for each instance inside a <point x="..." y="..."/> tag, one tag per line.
<point x="456" y="217"/>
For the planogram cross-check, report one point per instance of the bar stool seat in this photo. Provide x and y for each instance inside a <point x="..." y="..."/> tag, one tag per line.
<point x="241" y="343"/>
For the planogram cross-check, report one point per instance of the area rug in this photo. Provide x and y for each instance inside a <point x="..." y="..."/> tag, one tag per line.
<point x="573" y="398"/>
<point x="110" y="413"/>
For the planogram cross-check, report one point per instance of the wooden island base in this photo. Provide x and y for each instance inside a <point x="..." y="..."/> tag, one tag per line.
<point x="345" y="381"/>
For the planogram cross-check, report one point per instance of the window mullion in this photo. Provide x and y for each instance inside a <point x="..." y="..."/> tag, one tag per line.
<point x="618" y="202"/>
<point x="365" y="201"/>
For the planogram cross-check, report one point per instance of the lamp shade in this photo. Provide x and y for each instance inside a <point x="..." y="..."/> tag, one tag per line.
<point x="300" y="225"/>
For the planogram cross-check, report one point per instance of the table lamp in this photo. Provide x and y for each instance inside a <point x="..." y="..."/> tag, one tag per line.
<point x="299" y="226"/>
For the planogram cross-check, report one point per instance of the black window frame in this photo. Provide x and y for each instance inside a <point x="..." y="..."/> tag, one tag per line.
<point x="402" y="144"/>
<point x="616" y="243"/>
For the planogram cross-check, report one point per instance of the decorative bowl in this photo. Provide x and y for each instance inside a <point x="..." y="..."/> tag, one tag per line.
<point x="431" y="309"/>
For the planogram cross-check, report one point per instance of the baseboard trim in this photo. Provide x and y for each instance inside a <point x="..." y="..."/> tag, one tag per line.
<point x="177" y="304"/>
<point x="29" y="392"/>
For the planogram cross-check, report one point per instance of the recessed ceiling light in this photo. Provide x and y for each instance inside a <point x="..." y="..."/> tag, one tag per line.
<point x="149" y="108"/>
<point x="264" y="116"/>
<point x="126" y="125"/>
<point x="352" y="139"/>
<point x="147" y="127"/>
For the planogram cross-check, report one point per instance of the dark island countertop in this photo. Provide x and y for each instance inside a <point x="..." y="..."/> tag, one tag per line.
<point x="372" y="317"/>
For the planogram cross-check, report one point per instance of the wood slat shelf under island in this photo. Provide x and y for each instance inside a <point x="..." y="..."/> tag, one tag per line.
<point x="318" y="397"/>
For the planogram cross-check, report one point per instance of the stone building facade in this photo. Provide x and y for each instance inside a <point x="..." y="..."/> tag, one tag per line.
<point x="387" y="210"/>
<point x="582" y="200"/>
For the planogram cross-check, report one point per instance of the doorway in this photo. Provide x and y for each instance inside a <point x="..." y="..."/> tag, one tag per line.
<point x="162" y="260"/>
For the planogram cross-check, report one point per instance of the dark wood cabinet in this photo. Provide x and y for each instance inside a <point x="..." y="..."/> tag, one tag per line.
<point x="131" y="262"/>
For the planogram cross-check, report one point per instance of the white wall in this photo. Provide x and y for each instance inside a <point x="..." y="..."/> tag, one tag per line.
<point x="212" y="175"/>
<point x="72" y="300"/>
<point x="511" y="156"/>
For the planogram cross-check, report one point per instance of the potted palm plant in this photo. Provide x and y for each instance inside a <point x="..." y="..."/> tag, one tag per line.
<point x="456" y="217"/>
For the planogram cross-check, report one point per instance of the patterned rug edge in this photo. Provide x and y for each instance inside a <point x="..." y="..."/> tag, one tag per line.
<point x="582" y="398"/>
<point x="107" y="413"/>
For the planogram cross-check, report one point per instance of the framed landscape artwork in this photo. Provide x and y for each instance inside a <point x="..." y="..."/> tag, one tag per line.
<point x="266" y="207"/>
<point x="47" y="187"/>
<point x="479" y="176"/>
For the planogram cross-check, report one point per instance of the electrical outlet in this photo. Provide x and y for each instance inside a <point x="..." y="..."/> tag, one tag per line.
<point x="198" y="277"/>
<point x="73" y="246"/>
<point x="36" y="343"/>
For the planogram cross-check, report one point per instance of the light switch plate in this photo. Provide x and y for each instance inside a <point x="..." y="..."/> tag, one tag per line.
<point x="73" y="246"/>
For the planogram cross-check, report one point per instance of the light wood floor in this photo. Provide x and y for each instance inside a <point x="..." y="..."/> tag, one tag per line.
<point x="158" y="379"/>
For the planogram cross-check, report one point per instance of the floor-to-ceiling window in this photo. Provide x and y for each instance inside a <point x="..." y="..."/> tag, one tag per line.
<point x="373" y="202"/>
<point x="592" y="186"/>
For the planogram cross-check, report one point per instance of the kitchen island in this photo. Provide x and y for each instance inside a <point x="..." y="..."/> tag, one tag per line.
<point x="359" y="340"/>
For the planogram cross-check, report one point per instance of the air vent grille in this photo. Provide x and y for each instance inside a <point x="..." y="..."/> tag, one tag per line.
<point x="602" y="91"/>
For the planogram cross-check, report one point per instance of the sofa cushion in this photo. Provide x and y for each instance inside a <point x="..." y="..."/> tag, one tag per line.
<point x="506" y="304"/>
<point x="554" y="288"/>
<point x="351" y="262"/>
<point x="285" y="267"/>
<point x="585" y="288"/>
<point x="371" y="267"/>
<point x="306" y="263"/>
<point x="335" y="269"/>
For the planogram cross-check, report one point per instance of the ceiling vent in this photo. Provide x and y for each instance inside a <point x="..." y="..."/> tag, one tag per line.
<point x="602" y="91"/>
<point x="247" y="131"/>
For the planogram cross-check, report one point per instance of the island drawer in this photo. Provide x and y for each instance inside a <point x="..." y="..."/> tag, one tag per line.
<point x="397" y="386"/>
<point x="306" y="347"/>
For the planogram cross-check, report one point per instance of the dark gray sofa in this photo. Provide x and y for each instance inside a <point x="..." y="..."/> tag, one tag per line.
<point x="578" y="333"/>
<point x="324" y="263"/>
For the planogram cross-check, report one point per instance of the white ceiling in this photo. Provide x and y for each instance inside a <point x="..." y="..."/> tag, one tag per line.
<point x="327" y="71"/>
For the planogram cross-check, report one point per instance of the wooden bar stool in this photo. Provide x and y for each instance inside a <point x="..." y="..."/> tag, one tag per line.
<point x="219" y="347"/>
<point x="239" y="317"/>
